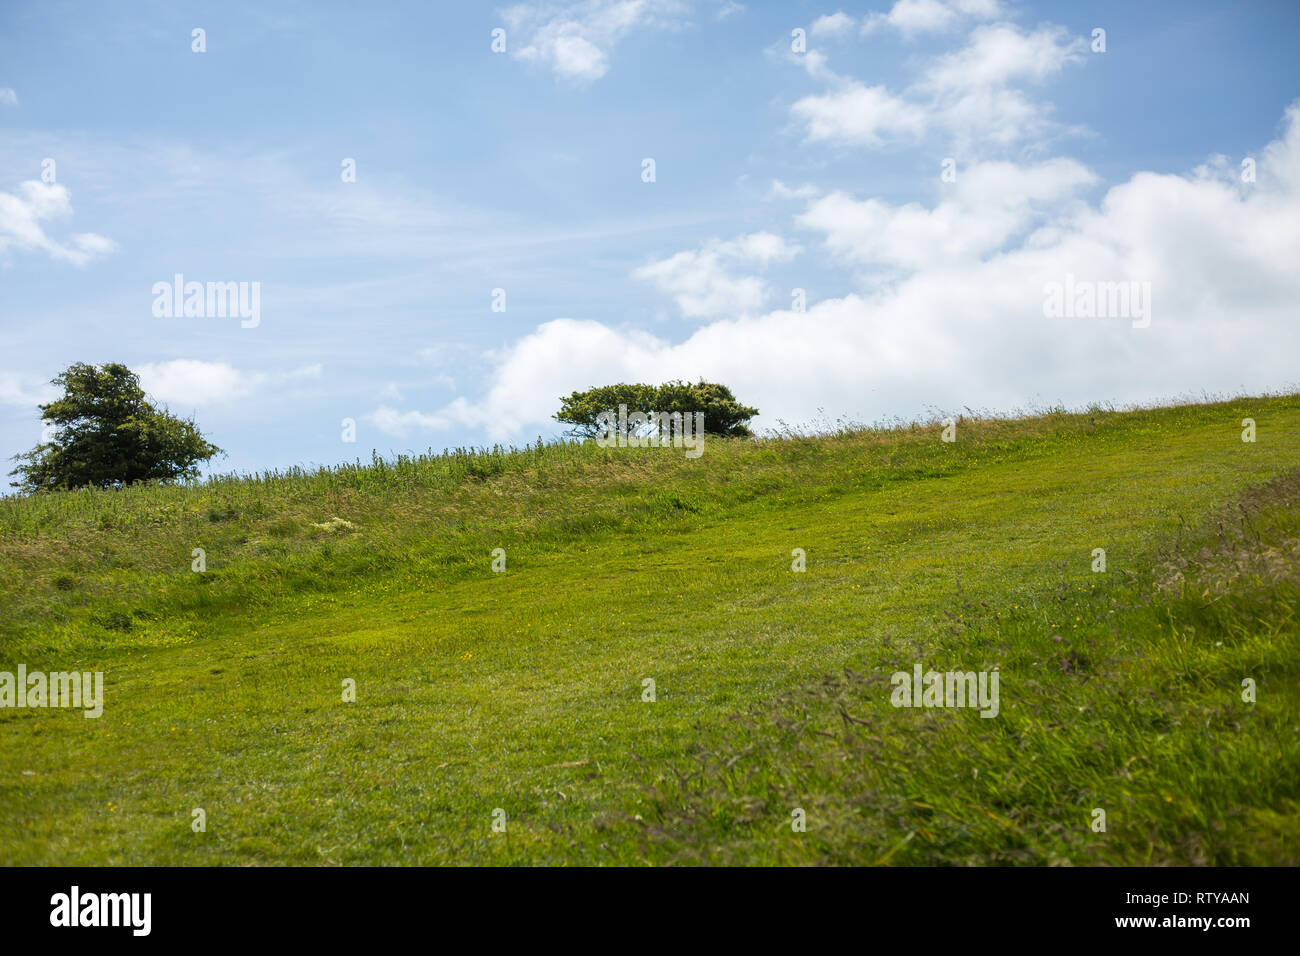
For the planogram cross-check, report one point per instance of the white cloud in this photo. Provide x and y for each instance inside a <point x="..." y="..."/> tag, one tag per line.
<point x="967" y="94"/>
<point x="23" y="213"/>
<point x="392" y="422"/>
<point x="575" y="40"/>
<point x="703" y="283"/>
<point x="912" y="17"/>
<point x="964" y="324"/>
<point x="1000" y="53"/>
<point x="859" y="115"/>
<point x="8" y="97"/>
<point x="760" y="247"/>
<point x="832" y="26"/>
<point x="24" y="391"/>
<point x="780" y="190"/>
<point x="182" y="382"/>
<point x="530" y="377"/>
<point x="190" y="382"/>
<point x="989" y="204"/>
<point x="814" y="62"/>
<point x="973" y="98"/>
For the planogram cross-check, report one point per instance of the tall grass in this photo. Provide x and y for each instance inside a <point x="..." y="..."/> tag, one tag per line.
<point x="483" y="690"/>
<point x="71" y="561"/>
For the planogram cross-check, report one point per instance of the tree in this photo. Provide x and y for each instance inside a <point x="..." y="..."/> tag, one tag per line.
<point x="723" y="415"/>
<point x="108" y="433"/>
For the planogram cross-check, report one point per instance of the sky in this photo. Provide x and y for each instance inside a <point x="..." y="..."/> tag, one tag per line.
<point x="454" y="214"/>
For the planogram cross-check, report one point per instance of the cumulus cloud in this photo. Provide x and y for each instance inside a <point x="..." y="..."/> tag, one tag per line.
<point x="190" y="382"/>
<point x="530" y="377"/>
<point x="832" y="26"/>
<point x="1000" y="53"/>
<point x="703" y="282"/>
<point x="24" y="391"/>
<point x="860" y="115"/>
<point x="22" y="217"/>
<point x="400" y="424"/>
<point x="8" y="97"/>
<point x="780" y="190"/>
<point x="970" y="94"/>
<point x="184" y="382"/>
<point x="576" y="40"/>
<point x="988" y="204"/>
<point x="912" y="17"/>
<point x="815" y="63"/>
<point x="962" y="322"/>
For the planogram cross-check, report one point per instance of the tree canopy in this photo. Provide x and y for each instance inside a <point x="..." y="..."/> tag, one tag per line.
<point x="107" y="433"/>
<point x="723" y="415"/>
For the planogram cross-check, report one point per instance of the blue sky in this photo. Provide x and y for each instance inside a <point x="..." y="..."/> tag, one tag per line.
<point x="775" y="169"/>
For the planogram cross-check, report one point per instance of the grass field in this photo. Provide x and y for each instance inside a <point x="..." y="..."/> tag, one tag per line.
<point x="523" y="690"/>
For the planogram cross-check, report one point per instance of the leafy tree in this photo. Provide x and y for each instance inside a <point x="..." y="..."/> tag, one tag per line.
<point x="109" y="434"/>
<point x="723" y="415"/>
<point x="581" y="408"/>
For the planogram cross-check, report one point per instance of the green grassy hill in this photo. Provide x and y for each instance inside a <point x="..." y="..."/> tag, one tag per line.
<point x="523" y="690"/>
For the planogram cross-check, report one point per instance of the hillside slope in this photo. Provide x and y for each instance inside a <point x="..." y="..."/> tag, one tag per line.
<point x="522" y="691"/>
